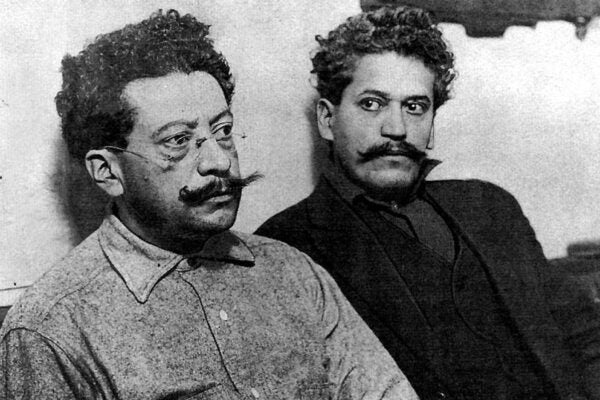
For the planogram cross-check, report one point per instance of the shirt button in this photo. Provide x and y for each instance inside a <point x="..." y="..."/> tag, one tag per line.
<point x="255" y="393"/>
<point x="223" y="315"/>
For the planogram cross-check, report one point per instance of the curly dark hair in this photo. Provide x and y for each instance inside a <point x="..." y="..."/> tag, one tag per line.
<point x="408" y="31"/>
<point x="93" y="113"/>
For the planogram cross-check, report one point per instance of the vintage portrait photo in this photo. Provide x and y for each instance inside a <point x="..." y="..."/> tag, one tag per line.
<point x="354" y="199"/>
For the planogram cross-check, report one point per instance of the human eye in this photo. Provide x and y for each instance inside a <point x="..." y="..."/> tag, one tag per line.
<point x="416" y="107"/>
<point x="223" y="131"/>
<point x="179" y="139"/>
<point x="371" y="104"/>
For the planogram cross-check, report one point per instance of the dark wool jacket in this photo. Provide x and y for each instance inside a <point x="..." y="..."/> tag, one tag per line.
<point x="558" y="322"/>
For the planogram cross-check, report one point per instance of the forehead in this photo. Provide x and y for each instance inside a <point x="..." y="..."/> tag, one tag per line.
<point x="392" y="73"/>
<point x="177" y="96"/>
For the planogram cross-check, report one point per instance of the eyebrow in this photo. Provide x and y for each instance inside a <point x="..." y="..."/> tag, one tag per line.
<point x="387" y="96"/>
<point x="225" y="113"/>
<point x="418" y="97"/>
<point x="192" y="124"/>
<point x="375" y="92"/>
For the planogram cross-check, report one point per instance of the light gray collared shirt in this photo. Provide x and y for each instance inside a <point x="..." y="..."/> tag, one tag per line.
<point x="246" y="318"/>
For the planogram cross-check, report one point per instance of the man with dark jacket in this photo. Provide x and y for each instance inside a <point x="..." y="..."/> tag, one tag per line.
<point x="448" y="274"/>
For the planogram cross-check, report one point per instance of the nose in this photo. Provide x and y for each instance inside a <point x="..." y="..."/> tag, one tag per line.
<point x="213" y="159"/>
<point x="393" y="125"/>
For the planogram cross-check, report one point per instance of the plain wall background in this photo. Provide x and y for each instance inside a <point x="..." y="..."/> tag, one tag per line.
<point x="525" y="115"/>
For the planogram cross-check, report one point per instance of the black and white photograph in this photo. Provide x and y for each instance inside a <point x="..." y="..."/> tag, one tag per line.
<point x="312" y="199"/>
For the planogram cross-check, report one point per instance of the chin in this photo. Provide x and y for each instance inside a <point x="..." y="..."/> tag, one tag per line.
<point x="203" y="222"/>
<point x="389" y="181"/>
<point x="206" y="228"/>
<point x="222" y="219"/>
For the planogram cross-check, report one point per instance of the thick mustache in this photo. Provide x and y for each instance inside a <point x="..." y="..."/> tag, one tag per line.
<point x="218" y="187"/>
<point x="388" y="148"/>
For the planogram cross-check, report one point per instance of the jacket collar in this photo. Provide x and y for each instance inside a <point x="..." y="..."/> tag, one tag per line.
<point x="141" y="264"/>
<point x="323" y="210"/>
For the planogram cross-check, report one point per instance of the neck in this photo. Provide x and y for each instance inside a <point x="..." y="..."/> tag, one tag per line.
<point x="403" y="195"/>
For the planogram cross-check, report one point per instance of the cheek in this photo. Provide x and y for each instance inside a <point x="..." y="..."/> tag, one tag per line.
<point x="151" y="183"/>
<point x="352" y="136"/>
<point x="420" y="140"/>
<point x="235" y="163"/>
<point x="235" y="169"/>
<point x="345" y="146"/>
<point x="150" y="187"/>
<point x="419" y="133"/>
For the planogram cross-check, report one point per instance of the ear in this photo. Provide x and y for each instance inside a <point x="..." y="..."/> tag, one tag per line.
<point x="104" y="168"/>
<point x="325" y="116"/>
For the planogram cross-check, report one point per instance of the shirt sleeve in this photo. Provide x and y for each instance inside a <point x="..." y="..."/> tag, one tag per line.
<point x="32" y="367"/>
<point x="359" y="366"/>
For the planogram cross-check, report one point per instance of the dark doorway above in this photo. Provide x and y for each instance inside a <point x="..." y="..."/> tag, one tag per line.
<point x="492" y="17"/>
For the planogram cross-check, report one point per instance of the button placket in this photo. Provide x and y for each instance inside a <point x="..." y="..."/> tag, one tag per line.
<point x="220" y="306"/>
<point x="208" y="309"/>
<point x="223" y="315"/>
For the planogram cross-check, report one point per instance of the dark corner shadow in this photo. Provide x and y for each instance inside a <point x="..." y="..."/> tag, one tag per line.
<point x="320" y="149"/>
<point x="81" y="202"/>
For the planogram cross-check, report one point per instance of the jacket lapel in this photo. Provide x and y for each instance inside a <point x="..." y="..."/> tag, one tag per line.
<point x="360" y="261"/>
<point x="518" y="289"/>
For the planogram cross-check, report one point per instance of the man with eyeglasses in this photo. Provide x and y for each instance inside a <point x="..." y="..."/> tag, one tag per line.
<point x="163" y="301"/>
<point x="448" y="274"/>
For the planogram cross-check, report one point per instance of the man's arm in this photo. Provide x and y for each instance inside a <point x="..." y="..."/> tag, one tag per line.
<point x="32" y="367"/>
<point x="574" y="311"/>
<point x="578" y="315"/>
<point x="359" y="367"/>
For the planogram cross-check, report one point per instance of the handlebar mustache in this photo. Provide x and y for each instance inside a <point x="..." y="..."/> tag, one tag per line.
<point x="218" y="187"/>
<point x="388" y="148"/>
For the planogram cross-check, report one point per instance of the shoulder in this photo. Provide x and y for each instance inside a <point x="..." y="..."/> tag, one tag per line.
<point x="299" y="285"/>
<point x="293" y="215"/>
<point x="291" y="225"/>
<point x="470" y="192"/>
<point x="64" y="279"/>
<point x="274" y="257"/>
<point x="470" y="187"/>
<point x="483" y="209"/>
<point x="270" y="250"/>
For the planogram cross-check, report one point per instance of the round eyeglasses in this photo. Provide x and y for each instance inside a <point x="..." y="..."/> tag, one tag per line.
<point x="175" y="148"/>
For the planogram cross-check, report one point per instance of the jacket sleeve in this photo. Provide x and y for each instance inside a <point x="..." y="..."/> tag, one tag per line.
<point x="359" y="366"/>
<point x="575" y="311"/>
<point x="35" y="368"/>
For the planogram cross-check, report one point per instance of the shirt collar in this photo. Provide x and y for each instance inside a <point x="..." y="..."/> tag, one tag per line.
<point x="141" y="264"/>
<point x="350" y="192"/>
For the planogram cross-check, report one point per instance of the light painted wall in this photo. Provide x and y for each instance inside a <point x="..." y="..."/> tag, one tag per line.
<point x="525" y="115"/>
